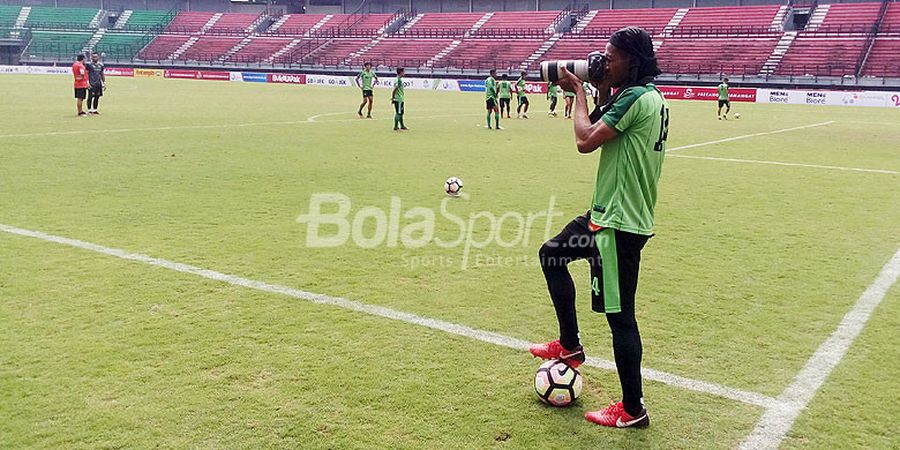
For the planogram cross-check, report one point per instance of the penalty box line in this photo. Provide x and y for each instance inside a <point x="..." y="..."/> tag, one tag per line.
<point x="778" y="419"/>
<point x="752" y="398"/>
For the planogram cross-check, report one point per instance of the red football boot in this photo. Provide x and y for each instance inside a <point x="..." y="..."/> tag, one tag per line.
<point x="615" y="416"/>
<point x="555" y="350"/>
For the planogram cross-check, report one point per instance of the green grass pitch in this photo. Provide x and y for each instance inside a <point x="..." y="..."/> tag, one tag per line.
<point x="752" y="268"/>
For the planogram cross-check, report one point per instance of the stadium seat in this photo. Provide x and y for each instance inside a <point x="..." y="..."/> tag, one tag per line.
<point x="402" y="52"/>
<point x="162" y="46"/>
<point x="8" y="15"/>
<point x="500" y="54"/>
<point x="653" y="20"/>
<point x="850" y="17"/>
<point x="233" y="23"/>
<point x="209" y="48"/>
<point x="822" y="56"/>
<point x="147" y="20"/>
<point x="55" y="45"/>
<point x="451" y="24"/>
<point x="883" y="59"/>
<point x="734" y="17"/>
<point x="117" y="45"/>
<point x="521" y="20"/>
<point x="715" y="55"/>
<point x="259" y="49"/>
<point x="188" y="22"/>
<point x="56" y="18"/>
<point x="298" y="24"/>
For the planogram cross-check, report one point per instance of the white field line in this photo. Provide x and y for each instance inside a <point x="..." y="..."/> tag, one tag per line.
<point x="780" y="163"/>
<point x="778" y="419"/>
<point x="747" y="136"/>
<point x="752" y="398"/>
<point x="311" y="119"/>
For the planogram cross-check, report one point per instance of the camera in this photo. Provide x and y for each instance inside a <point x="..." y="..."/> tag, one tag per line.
<point x="591" y="69"/>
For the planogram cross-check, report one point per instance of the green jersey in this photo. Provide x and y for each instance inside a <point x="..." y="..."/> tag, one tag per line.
<point x="569" y="94"/>
<point x="505" y="89"/>
<point x="587" y="87"/>
<point x="490" y="88"/>
<point x="398" y="91"/>
<point x="366" y="76"/>
<point x="631" y="162"/>
<point x="520" y="87"/>
<point x="723" y="91"/>
<point x="552" y="91"/>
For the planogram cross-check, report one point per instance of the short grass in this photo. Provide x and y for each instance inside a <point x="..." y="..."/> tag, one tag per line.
<point x="752" y="268"/>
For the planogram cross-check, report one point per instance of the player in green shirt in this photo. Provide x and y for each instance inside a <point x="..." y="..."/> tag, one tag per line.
<point x="553" y="96"/>
<point x="631" y="127"/>
<point x="490" y="98"/>
<point x="522" y="96"/>
<point x="504" y="90"/>
<point x="723" y="100"/>
<point x="397" y="99"/>
<point x="366" y="80"/>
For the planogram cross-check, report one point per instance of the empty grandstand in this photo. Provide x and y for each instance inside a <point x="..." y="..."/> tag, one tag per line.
<point x="763" y="41"/>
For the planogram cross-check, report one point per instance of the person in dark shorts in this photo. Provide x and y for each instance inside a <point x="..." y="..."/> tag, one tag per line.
<point x="522" y="96"/>
<point x="723" y="99"/>
<point x="81" y="84"/>
<point x="96" y="82"/>
<point x="398" y="98"/>
<point x="631" y="126"/>
<point x="490" y="98"/>
<point x="504" y="92"/>
<point x="366" y="81"/>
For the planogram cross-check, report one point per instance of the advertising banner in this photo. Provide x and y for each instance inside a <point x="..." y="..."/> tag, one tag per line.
<point x="329" y="80"/>
<point x="254" y="77"/>
<point x="471" y="85"/>
<point x="535" y="87"/>
<point x="148" y="72"/>
<point x="287" y="78"/>
<point x="177" y="73"/>
<point x="830" y="98"/>
<point x="119" y="71"/>
<point x="707" y="93"/>
<point x="213" y="75"/>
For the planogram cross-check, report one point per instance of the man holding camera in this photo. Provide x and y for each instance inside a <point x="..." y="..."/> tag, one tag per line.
<point x="631" y="127"/>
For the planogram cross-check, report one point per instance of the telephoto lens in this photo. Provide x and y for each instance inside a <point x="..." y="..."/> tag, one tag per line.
<point x="551" y="71"/>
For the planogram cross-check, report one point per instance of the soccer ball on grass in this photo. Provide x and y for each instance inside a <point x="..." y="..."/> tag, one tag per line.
<point x="556" y="383"/>
<point x="452" y="186"/>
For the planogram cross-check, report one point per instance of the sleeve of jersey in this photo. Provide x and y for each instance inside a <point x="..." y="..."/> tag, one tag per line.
<point x="622" y="113"/>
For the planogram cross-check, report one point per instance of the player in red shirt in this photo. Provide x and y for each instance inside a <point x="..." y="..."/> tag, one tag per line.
<point x="81" y="83"/>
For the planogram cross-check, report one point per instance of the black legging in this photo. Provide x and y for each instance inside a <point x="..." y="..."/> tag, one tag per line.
<point x="93" y="98"/>
<point x="575" y="242"/>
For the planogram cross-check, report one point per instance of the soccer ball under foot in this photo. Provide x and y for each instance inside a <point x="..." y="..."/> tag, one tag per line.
<point x="556" y="383"/>
<point x="452" y="186"/>
<point x="737" y="116"/>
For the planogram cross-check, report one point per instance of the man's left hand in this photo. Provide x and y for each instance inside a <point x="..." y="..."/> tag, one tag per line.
<point x="568" y="81"/>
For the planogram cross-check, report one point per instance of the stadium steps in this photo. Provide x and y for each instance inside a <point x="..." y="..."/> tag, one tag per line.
<point x="210" y="23"/>
<point x="278" y="23"/>
<point x="406" y="26"/>
<point x="780" y="17"/>
<point x="184" y="47"/>
<point x="252" y="28"/>
<point x="544" y="48"/>
<point x="441" y="54"/>
<point x="123" y="19"/>
<point x="89" y="45"/>
<point x="237" y="47"/>
<point x="382" y="35"/>
<point x="23" y="17"/>
<point x="817" y="17"/>
<point x="580" y="26"/>
<point x="480" y="23"/>
<point x="95" y="22"/>
<point x="778" y="52"/>
<point x="290" y="46"/>
<point x="674" y="21"/>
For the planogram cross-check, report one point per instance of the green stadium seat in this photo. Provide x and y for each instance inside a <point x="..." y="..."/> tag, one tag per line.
<point x="60" y="18"/>
<point x="115" y="45"/>
<point x="8" y="15"/>
<point x="55" y="45"/>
